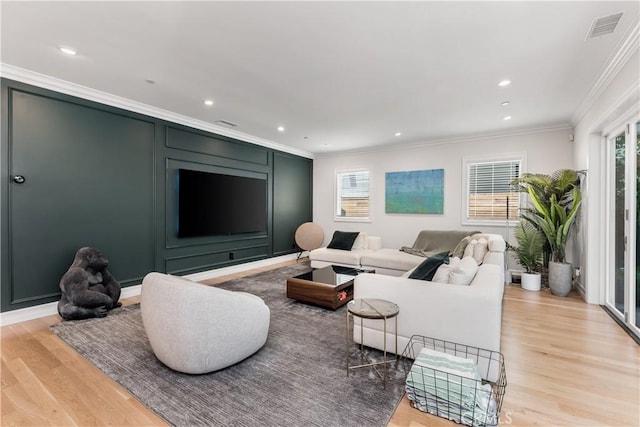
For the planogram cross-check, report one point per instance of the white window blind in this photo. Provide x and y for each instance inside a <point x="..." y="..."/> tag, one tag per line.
<point x="352" y="195"/>
<point x="490" y="196"/>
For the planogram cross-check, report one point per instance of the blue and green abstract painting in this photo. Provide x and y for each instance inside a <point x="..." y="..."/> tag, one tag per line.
<point x="415" y="192"/>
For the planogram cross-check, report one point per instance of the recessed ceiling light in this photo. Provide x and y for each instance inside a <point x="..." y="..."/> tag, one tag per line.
<point x="504" y="83"/>
<point x="280" y="128"/>
<point x="68" y="50"/>
<point x="505" y="103"/>
<point x="208" y="102"/>
<point x="507" y="118"/>
<point x="397" y="134"/>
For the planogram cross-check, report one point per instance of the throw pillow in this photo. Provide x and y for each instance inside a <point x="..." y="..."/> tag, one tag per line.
<point x="428" y="267"/>
<point x="373" y="243"/>
<point x="468" y="251"/>
<point x="464" y="273"/>
<point x="343" y="240"/>
<point x="480" y="250"/>
<point x="360" y="242"/>
<point x="442" y="274"/>
<point x="458" y="251"/>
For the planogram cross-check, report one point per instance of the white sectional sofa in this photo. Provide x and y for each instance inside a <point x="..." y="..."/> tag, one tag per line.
<point x="470" y="315"/>
<point x="368" y="254"/>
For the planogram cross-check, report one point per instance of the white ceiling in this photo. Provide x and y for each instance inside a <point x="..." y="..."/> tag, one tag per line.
<point x="337" y="75"/>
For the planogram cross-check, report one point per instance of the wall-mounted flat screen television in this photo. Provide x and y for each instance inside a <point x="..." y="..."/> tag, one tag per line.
<point x="218" y="204"/>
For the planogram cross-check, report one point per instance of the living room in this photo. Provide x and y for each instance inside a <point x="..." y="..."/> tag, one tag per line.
<point x="305" y="162"/>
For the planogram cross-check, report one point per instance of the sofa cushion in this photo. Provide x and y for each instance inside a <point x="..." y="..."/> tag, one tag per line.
<point x="458" y="251"/>
<point x="464" y="273"/>
<point x="481" y="249"/>
<point x="373" y="242"/>
<point x="496" y="241"/>
<point x="428" y="267"/>
<point x="440" y="240"/>
<point x="477" y="249"/>
<point x="442" y="274"/>
<point x="456" y="272"/>
<point x="497" y="245"/>
<point x="343" y="240"/>
<point x="336" y="256"/>
<point x="360" y="242"/>
<point x="391" y="259"/>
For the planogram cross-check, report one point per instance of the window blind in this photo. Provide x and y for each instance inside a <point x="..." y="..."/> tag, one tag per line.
<point x="490" y="195"/>
<point x="353" y="194"/>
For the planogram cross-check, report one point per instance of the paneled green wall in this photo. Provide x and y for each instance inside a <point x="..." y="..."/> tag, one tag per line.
<point x="196" y="150"/>
<point x="104" y="177"/>
<point x="291" y="183"/>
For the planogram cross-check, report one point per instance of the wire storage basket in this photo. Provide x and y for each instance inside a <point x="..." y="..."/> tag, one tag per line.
<point x="459" y="382"/>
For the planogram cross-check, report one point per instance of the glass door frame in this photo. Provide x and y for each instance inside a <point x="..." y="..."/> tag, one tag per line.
<point x="629" y="128"/>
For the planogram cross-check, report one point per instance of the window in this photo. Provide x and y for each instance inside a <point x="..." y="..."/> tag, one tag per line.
<point x="489" y="194"/>
<point x="352" y="196"/>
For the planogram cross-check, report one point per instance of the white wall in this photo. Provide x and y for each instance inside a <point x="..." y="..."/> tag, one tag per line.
<point x="546" y="151"/>
<point x="618" y="99"/>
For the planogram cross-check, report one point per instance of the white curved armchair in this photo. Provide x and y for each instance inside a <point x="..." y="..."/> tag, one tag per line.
<point x="195" y="328"/>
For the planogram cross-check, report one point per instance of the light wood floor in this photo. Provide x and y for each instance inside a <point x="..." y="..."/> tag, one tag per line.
<point x="567" y="364"/>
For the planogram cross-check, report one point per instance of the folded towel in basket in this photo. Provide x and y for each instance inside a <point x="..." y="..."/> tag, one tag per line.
<point x="431" y="404"/>
<point x="450" y="387"/>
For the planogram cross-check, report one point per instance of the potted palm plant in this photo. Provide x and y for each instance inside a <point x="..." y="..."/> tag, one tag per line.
<point x="529" y="254"/>
<point x="556" y="199"/>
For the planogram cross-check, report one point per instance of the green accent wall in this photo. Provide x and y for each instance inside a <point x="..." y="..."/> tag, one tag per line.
<point x="106" y="177"/>
<point x="292" y="177"/>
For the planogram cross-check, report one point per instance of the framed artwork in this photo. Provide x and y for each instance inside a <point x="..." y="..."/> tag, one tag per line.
<point x="415" y="192"/>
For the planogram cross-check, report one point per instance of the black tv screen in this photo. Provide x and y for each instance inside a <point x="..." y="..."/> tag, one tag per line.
<point x="218" y="204"/>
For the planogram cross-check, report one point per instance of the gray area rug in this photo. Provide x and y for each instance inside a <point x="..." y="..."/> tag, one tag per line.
<point x="297" y="379"/>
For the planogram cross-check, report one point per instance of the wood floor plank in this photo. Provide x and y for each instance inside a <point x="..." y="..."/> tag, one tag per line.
<point x="18" y="409"/>
<point x="37" y="393"/>
<point x="568" y="363"/>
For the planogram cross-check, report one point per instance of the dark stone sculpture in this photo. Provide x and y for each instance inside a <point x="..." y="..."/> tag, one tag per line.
<point x="88" y="289"/>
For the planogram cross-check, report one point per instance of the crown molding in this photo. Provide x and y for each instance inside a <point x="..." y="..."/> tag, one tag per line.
<point x="68" y="88"/>
<point x="619" y="112"/>
<point x="453" y="140"/>
<point x="628" y="47"/>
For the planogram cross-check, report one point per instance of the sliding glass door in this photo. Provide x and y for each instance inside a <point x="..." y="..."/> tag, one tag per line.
<point x="623" y="293"/>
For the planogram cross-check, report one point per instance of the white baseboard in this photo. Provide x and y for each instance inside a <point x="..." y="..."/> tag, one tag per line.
<point x="48" y="309"/>
<point x="29" y="313"/>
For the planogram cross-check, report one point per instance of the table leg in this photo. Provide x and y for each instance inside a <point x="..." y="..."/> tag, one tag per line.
<point x="348" y="343"/>
<point x="384" y="364"/>
<point x="397" y="342"/>
<point x="361" y="335"/>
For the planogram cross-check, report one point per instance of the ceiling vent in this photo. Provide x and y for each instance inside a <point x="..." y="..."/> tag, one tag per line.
<point x="226" y="123"/>
<point x="602" y="26"/>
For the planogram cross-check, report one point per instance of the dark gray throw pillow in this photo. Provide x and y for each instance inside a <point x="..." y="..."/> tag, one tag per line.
<point x="427" y="269"/>
<point x="343" y="240"/>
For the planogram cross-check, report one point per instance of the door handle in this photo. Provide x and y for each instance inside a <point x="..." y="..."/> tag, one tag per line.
<point x="19" y="179"/>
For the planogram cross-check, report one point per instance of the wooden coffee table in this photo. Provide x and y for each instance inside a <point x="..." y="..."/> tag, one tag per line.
<point x="328" y="287"/>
